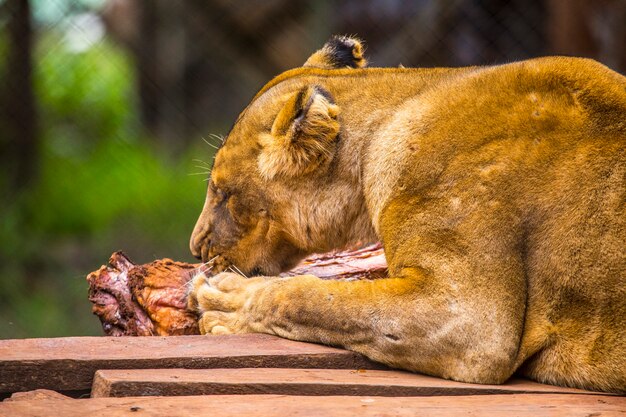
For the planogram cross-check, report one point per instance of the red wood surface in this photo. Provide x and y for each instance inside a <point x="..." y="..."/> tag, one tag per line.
<point x="168" y="382"/>
<point x="531" y="405"/>
<point x="294" y="379"/>
<point x="38" y="394"/>
<point x="70" y="363"/>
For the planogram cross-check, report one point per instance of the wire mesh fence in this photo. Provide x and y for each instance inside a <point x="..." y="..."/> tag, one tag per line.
<point x="196" y="62"/>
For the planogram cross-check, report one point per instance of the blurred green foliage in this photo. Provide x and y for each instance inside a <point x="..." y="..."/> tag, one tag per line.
<point x="102" y="186"/>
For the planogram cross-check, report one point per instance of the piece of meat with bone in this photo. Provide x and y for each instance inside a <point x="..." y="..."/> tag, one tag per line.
<point x="151" y="299"/>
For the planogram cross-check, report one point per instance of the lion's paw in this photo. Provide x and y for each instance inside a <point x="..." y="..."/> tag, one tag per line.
<point x="222" y="302"/>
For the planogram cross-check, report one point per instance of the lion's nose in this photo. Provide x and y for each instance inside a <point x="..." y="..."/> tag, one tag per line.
<point x="195" y="251"/>
<point x="201" y="233"/>
<point x="195" y="245"/>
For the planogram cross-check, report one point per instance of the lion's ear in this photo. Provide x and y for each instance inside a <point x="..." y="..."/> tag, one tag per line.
<point x="303" y="135"/>
<point x="339" y="52"/>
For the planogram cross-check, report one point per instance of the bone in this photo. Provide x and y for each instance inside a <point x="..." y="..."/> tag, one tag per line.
<point x="151" y="299"/>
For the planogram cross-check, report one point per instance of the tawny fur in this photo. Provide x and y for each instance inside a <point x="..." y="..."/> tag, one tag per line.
<point x="499" y="194"/>
<point x="302" y="136"/>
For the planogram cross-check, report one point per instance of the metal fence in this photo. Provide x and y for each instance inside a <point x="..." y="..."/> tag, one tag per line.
<point x="199" y="61"/>
<point x="225" y="50"/>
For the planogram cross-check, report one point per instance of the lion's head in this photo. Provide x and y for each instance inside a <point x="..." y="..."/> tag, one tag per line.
<point x="281" y="186"/>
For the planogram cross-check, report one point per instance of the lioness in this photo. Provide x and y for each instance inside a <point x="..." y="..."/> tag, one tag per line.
<point x="499" y="194"/>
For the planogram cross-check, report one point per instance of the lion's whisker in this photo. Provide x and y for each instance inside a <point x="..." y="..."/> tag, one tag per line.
<point x="210" y="144"/>
<point x="201" y="166"/>
<point x="239" y="270"/>
<point x="209" y="261"/>
<point x="202" y="162"/>
<point x="218" y="137"/>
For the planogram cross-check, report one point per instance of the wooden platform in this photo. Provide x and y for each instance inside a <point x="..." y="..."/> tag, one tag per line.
<point x="251" y="375"/>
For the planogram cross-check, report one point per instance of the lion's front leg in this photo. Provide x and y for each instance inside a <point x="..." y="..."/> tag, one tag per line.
<point x="366" y="316"/>
<point x="299" y="307"/>
<point x="409" y="322"/>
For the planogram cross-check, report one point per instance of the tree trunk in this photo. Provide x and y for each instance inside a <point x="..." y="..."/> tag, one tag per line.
<point x="18" y="141"/>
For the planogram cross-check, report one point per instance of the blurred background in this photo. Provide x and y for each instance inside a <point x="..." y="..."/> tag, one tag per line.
<point x="107" y="109"/>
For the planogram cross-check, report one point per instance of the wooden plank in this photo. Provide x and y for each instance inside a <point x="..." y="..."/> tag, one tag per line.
<point x="531" y="405"/>
<point x="168" y="382"/>
<point x="70" y="363"/>
<point x="38" y="394"/>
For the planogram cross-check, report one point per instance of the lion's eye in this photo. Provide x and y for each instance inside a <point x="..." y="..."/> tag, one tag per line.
<point x="220" y="195"/>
